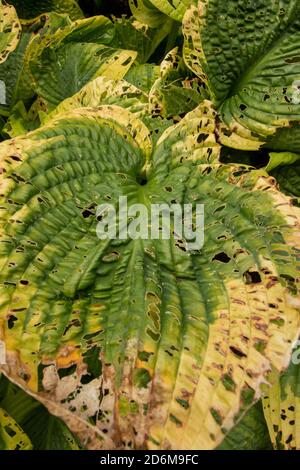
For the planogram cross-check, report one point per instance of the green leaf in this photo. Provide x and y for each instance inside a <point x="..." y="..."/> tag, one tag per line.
<point x="10" y="31"/>
<point x="251" y="433"/>
<point x="288" y="178"/>
<point x="20" y="121"/>
<point x="28" y="9"/>
<point x="131" y="34"/>
<point x="14" y="72"/>
<point x="145" y="12"/>
<point x="174" y="93"/>
<point x="175" y="8"/>
<point x="46" y="432"/>
<point x="12" y="437"/>
<point x="281" y="159"/>
<point x="143" y="343"/>
<point x="143" y="76"/>
<point x="105" y="91"/>
<point x="69" y="59"/>
<point x="249" y="54"/>
<point x="282" y="407"/>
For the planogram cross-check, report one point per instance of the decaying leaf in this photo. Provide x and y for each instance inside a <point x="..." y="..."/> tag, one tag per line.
<point x="143" y="343"/>
<point x="282" y="407"/>
<point x="12" y="437"/>
<point x="10" y="30"/>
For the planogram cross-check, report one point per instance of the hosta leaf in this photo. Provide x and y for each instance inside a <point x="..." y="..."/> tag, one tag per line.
<point x="145" y="12"/>
<point x="21" y="121"/>
<point x="139" y="37"/>
<point x="249" y="54"/>
<point x="288" y="178"/>
<point x="14" y="72"/>
<point x="174" y="8"/>
<point x="28" y="9"/>
<point x="173" y="93"/>
<point x="251" y="433"/>
<point x="281" y="159"/>
<point x="46" y="432"/>
<point x="10" y="74"/>
<point x="143" y="76"/>
<point x="148" y="343"/>
<point x="12" y="437"/>
<point x="10" y="30"/>
<point x="69" y="59"/>
<point x="62" y="73"/>
<point x="282" y="407"/>
<point x="105" y="91"/>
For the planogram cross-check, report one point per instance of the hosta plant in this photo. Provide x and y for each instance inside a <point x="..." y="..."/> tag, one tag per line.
<point x="144" y="343"/>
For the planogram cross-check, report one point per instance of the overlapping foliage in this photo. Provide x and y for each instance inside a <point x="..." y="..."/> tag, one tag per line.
<point x="142" y="343"/>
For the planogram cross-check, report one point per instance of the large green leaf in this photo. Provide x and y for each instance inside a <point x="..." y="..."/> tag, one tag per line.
<point x="28" y="9"/>
<point x="14" y="72"/>
<point x="62" y="63"/>
<point x="249" y="54"/>
<point x="10" y="30"/>
<point x="282" y="407"/>
<point x="148" y="343"/>
<point x="12" y="437"/>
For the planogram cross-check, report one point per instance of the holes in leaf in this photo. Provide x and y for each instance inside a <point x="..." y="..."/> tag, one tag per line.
<point x="222" y="257"/>
<point x="252" y="277"/>
<point x="237" y="352"/>
<point x="11" y="321"/>
<point x="66" y="371"/>
<point x="94" y="365"/>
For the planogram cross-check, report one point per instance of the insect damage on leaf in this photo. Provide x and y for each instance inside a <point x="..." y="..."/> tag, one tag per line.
<point x="150" y="336"/>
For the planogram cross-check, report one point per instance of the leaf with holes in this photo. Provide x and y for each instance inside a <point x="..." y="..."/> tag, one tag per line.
<point x="173" y="8"/>
<point x="46" y="432"/>
<point x="282" y="407"/>
<point x="10" y="30"/>
<point x="174" y="93"/>
<point x="141" y="342"/>
<point x="61" y="63"/>
<point x="12" y="437"/>
<point x="249" y="55"/>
